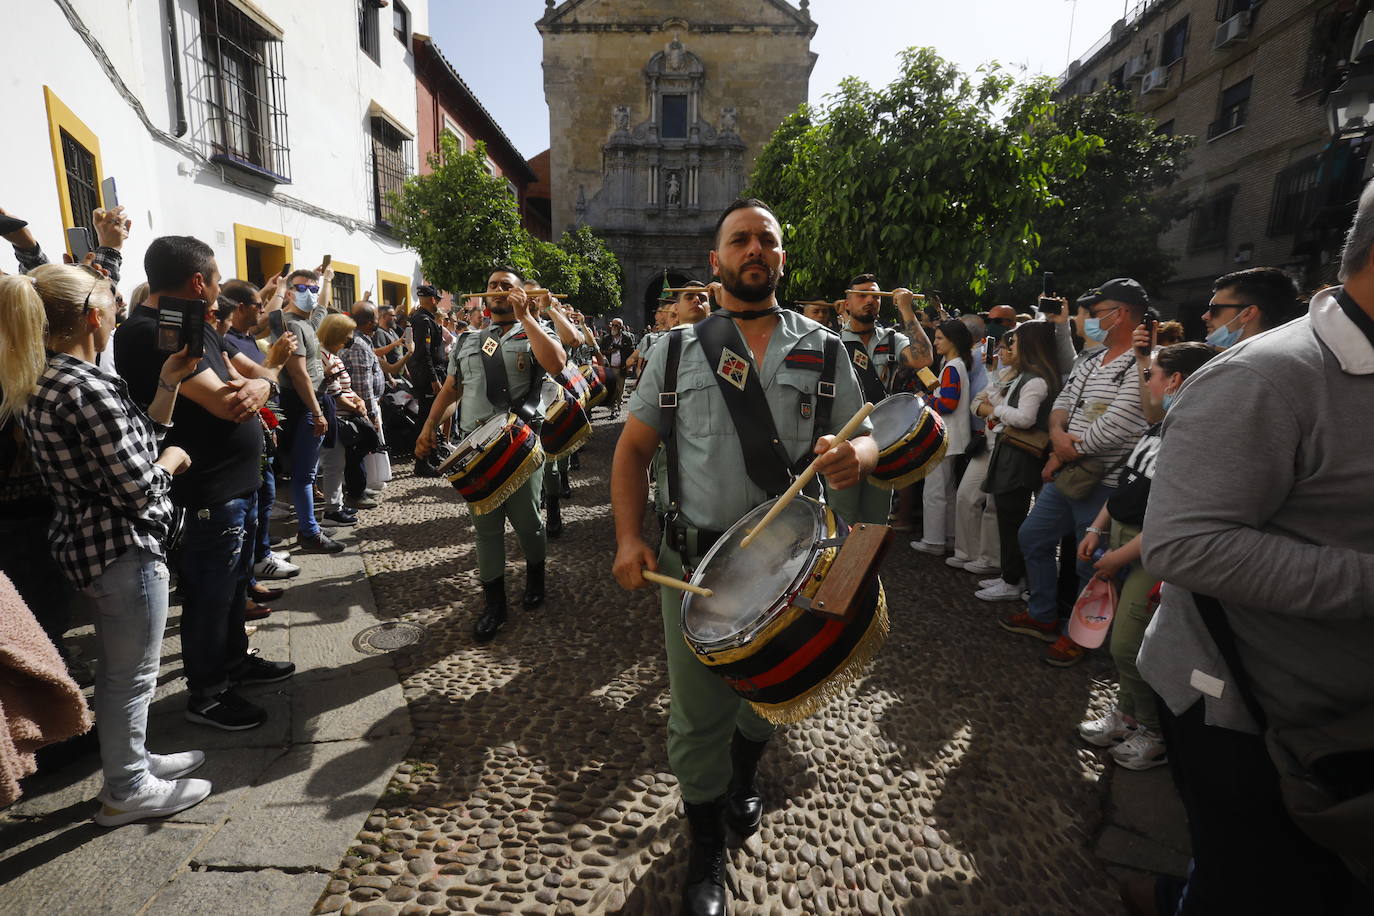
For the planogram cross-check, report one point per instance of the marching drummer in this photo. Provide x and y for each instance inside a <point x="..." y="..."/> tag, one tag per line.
<point x="876" y="353"/>
<point x="557" y="485"/>
<point x="516" y="350"/>
<point x="821" y="312"/>
<point x="750" y="379"/>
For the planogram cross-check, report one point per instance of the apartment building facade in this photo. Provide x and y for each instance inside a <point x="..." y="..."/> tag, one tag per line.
<point x="1267" y="184"/>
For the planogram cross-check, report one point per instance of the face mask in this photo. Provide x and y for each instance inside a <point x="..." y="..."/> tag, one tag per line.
<point x="1224" y="336"/>
<point x="1093" y="330"/>
<point x="306" y="301"/>
<point x="1169" y="399"/>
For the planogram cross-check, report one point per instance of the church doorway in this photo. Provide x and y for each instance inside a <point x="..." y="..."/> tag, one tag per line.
<point x="652" y="292"/>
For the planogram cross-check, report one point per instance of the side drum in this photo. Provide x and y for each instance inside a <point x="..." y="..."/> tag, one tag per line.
<point x="757" y="630"/>
<point x="595" y="377"/>
<point x="911" y="440"/>
<point x="493" y="461"/>
<point x="566" y="427"/>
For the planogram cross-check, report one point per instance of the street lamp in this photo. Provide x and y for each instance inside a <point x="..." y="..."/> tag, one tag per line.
<point x="1348" y="107"/>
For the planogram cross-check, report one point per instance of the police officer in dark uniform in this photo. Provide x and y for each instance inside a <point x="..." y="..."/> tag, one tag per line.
<point x="715" y="739"/>
<point x="428" y="369"/>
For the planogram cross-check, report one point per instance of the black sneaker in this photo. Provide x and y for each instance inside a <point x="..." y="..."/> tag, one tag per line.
<point x="342" y="518"/>
<point x="255" y="669"/>
<point x="321" y="544"/>
<point x="226" y="710"/>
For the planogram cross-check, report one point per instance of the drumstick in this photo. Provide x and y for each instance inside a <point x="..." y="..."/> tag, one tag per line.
<point x="805" y="476"/>
<point x="879" y="292"/>
<point x="677" y="583"/>
<point x="689" y="289"/>
<point x="506" y="292"/>
<point x="815" y="302"/>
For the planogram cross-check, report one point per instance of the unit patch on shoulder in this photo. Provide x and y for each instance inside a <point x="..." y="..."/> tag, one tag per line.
<point x="733" y="368"/>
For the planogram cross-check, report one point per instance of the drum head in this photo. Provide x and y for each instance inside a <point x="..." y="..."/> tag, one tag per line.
<point x="748" y="582"/>
<point x="474" y="442"/>
<point x="550" y="394"/>
<point x="893" y="418"/>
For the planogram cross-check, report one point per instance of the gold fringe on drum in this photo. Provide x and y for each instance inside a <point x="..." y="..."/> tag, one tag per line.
<point x="532" y="461"/>
<point x="920" y="473"/>
<point x="579" y="439"/>
<point x="849" y="671"/>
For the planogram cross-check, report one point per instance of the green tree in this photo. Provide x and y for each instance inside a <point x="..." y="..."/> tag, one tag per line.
<point x="461" y="220"/>
<point x="600" y="290"/>
<point x="555" y="269"/>
<point x="935" y="181"/>
<point x="1109" y="226"/>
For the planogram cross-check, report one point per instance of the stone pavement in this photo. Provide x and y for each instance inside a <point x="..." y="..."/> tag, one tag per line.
<point x="288" y="797"/>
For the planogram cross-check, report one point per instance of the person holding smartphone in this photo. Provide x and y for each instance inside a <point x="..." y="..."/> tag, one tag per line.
<point x="99" y="455"/>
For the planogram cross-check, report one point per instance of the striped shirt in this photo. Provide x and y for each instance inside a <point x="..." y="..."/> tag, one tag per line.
<point x="946" y="399"/>
<point x="1103" y="404"/>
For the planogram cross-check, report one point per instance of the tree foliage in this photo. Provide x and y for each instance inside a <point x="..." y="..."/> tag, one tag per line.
<point x="463" y="221"/>
<point x="1109" y="225"/>
<point x="935" y="181"/>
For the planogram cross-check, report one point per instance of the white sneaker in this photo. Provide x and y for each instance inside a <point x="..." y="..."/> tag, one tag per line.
<point x="956" y="561"/>
<point x="1106" y="731"/>
<point x="157" y="798"/>
<point x="1003" y="592"/>
<point x="175" y="766"/>
<point x="281" y="555"/>
<point x="935" y="550"/>
<point x="990" y="583"/>
<point x="273" y="568"/>
<point x="1025" y="595"/>
<point x="978" y="569"/>
<point x="1141" y="751"/>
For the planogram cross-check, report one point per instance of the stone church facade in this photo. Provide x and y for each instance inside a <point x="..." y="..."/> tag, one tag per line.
<point x="657" y="110"/>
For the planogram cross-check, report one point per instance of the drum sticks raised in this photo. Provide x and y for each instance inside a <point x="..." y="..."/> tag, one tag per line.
<point x="678" y="584"/>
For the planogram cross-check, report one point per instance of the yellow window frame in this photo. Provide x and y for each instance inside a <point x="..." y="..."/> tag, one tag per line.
<point x="245" y="234"/>
<point x="386" y="276"/>
<point x="61" y="118"/>
<point x="343" y="267"/>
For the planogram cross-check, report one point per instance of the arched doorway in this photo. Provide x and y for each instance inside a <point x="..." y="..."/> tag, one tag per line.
<point x="652" y="290"/>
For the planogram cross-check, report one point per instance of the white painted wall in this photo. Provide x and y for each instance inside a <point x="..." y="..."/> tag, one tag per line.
<point x="167" y="183"/>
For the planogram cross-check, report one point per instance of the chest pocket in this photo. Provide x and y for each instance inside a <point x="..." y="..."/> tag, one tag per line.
<point x="792" y="399"/>
<point x="701" y="411"/>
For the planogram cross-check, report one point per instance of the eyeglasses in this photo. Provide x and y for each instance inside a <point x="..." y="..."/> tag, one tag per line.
<point x="1214" y="307"/>
<point x="306" y="288"/>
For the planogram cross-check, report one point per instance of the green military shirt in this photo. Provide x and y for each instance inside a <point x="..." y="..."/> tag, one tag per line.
<point x="716" y="490"/>
<point x="646" y="343"/>
<point x="465" y="364"/>
<point x="883" y="350"/>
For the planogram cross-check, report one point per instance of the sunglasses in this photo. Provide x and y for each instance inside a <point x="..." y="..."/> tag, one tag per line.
<point x="306" y="288"/>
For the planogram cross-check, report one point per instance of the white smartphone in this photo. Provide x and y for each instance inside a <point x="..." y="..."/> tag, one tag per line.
<point x="108" y="194"/>
<point x="79" y="242"/>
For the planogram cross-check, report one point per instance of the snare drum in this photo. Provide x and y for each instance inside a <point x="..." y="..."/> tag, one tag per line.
<point x="757" y="631"/>
<point x="595" y="377"/>
<point x="493" y="461"/>
<point x="911" y="440"/>
<point x="572" y="379"/>
<point x="566" y="427"/>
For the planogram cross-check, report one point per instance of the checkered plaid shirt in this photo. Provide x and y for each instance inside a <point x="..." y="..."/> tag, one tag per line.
<point x="108" y="258"/>
<point x="364" y="371"/>
<point x="95" y="449"/>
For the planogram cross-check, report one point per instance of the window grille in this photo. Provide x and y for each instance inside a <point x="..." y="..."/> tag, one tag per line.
<point x="246" y="92"/>
<point x="1212" y="221"/>
<point x="343" y="291"/>
<point x="390" y="166"/>
<point x="369" y="33"/>
<point x="82" y="182"/>
<point x="1295" y="196"/>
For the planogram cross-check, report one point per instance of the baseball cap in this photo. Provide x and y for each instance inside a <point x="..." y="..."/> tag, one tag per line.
<point x="427" y="290"/>
<point x="1122" y="289"/>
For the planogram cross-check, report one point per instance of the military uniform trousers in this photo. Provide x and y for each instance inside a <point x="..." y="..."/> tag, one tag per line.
<point x="862" y="503"/>
<point x="703" y="711"/>
<point x="522" y="509"/>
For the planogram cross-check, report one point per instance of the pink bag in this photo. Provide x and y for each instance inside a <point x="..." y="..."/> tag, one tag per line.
<point x="1093" y="612"/>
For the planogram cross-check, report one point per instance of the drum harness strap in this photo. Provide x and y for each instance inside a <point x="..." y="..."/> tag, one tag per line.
<point x="874" y="389"/>
<point x="765" y="460"/>
<point x="498" y="382"/>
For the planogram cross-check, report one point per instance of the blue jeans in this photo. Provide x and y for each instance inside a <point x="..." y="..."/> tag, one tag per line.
<point x="1053" y="517"/>
<point x="216" y="561"/>
<point x="304" y="446"/>
<point x="128" y="603"/>
<point x="267" y="495"/>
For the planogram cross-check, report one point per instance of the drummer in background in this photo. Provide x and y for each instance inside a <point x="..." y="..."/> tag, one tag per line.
<point x="823" y="313"/>
<point x="691" y="307"/>
<point x="557" y="485"/>
<point x="584" y="353"/>
<point x="525" y="346"/>
<point x="715" y="739"/>
<point x="665" y="317"/>
<point x="877" y="353"/>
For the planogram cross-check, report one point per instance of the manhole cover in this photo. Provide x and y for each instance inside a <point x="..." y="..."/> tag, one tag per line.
<point x="388" y="637"/>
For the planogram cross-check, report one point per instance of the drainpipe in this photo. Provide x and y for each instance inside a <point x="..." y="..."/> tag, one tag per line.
<point x="174" y="49"/>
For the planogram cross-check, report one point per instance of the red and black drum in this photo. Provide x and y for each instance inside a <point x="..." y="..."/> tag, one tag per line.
<point x="595" y="377"/>
<point x="573" y="380"/>
<point x="911" y="440"/>
<point x="493" y="461"/>
<point x="566" y="427"/>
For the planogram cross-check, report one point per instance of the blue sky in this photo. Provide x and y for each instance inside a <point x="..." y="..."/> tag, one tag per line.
<point x="497" y="49"/>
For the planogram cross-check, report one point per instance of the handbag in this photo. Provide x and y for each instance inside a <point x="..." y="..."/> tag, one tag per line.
<point x="1032" y="441"/>
<point x="1078" y="479"/>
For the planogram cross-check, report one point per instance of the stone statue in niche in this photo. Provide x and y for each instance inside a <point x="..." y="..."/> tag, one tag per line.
<point x="674" y="195"/>
<point x="728" y="119"/>
<point x="677" y="56"/>
<point x="621" y="114"/>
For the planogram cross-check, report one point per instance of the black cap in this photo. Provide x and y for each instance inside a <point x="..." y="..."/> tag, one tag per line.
<point x="10" y="224"/>
<point x="427" y="290"/>
<point x="1122" y="289"/>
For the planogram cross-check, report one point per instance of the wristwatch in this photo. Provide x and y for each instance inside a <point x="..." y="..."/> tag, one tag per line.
<point x="1097" y="530"/>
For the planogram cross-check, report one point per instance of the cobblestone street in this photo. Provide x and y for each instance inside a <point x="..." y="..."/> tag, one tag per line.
<point x="946" y="780"/>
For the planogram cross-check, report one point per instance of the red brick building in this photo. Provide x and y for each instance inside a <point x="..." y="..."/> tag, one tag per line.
<point x="446" y="103"/>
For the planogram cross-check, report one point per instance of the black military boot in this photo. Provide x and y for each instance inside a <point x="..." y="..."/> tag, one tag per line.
<point x="534" y="586"/>
<point x="565" y="482"/>
<point x="743" y="803"/>
<point x="704" y="894"/>
<point x="494" y="617"/>
<point x="553" y="521"/>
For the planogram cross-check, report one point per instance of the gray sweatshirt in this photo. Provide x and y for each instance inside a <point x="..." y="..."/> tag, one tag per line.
<point x="1264" y="498"/>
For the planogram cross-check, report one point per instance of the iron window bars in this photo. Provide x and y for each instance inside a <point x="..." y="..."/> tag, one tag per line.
<point x="246" y="98"/>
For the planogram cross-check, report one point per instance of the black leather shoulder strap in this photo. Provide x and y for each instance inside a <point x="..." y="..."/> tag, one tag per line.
<point x="667" y="420"/>
<point x="494" y="368"/>
<point x="825" y="389"/>
<point x="1214" y="618"/>
<point x="868" y="378"/>
<point x="765" y="460"/>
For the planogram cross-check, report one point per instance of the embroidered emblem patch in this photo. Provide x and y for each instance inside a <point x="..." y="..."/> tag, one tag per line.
<point x="733" y="368"/>
<point x="521" y="363"/>
<point x="489" y="347"/>
<point x="861" y="359"/>
<point x="806" y="410"/>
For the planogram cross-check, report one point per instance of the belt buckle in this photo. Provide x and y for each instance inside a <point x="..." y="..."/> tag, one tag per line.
<point x="825" y="389"/>
<point x="667" y="399"/>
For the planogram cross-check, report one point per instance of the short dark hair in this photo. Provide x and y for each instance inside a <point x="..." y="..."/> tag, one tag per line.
<point x="862" y="278"/>
<point x="172" y="260"/>
<point x="507" y="269"/>
<point x="302" y="272"/>
<point x="1269" y="289"/>
<point x="240" y="291"/>
<point x="742" y="203"/>
<point x="1186" y="357"/>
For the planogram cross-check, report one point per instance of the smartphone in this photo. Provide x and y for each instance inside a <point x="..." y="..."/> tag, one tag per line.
<point x="989" y="351"/>
<point x="79" y="241"/>
<point x="107" y="193"/>
<point x="327" y="259"/>
<point x="1149" y="322"/>
<point x="1049" y="303"/>
<point x="181" y="323"/>
<point x="285" y="269"/>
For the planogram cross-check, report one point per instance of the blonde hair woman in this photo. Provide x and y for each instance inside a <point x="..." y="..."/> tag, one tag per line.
<point x="334" y="333"/>
<point x="98" y="454"/>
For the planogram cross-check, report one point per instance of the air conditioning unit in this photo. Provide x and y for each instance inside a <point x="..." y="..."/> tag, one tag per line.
<point x="1235" y="29"/>
<point x="1157" y="80"/>
<point x="1136" y="66"/>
